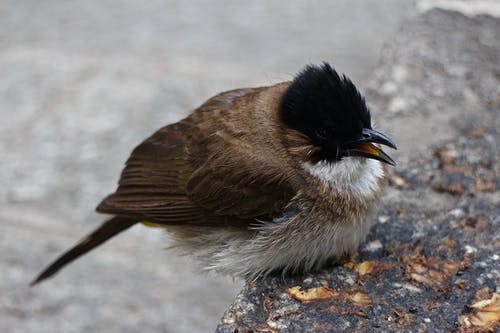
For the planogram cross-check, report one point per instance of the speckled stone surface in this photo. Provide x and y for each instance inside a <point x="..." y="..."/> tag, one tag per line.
<point x="432" y="263"/>
<point x="419" y="269"/>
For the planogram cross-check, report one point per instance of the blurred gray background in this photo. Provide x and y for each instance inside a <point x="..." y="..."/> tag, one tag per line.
<point x="83" y="82"/>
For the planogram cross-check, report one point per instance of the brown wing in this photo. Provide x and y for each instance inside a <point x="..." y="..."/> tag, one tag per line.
<point x="194" y="172"/>
<point x="240" y="180"/>
<point x="152" y="185"/>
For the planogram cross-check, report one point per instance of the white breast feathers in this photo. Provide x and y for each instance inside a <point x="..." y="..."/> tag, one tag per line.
<point x="352" y="174"/>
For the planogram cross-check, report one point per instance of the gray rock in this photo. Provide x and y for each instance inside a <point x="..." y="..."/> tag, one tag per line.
<point x="431" y="264"/>
<point x="439" y="77"/>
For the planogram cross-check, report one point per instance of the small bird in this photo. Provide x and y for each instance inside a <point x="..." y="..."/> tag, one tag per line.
<point x="282" y="179"/>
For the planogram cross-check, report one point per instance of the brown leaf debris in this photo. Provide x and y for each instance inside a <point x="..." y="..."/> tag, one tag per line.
<point x="344" y="302"/>
<point x="371" y="268"/>
<point x="484" y="317"/>
<point x="431" y="271"/>
<point x="473" y="223"/>
<point x="312" y="294"/>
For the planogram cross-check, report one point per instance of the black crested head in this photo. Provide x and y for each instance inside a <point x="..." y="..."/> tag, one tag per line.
<point x="327" y="108"/>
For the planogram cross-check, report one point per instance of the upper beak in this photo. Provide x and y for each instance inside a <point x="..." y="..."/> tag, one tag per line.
<point x="364" y="146"/>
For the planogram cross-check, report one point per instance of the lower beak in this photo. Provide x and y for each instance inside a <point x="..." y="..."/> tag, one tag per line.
<point x="364" y="147"/>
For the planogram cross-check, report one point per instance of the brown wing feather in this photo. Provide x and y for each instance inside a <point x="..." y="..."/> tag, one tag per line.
<point x="198" y="171"/>
<point x="152" y="185"/>
<point x="239" y="182"/>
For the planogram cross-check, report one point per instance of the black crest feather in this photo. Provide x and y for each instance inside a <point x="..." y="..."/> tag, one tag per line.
<point x="325" y="106"/>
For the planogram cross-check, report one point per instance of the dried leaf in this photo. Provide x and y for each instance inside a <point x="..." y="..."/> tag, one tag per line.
<point x="360" y="299"/>
<point x="484" y="185"/>
<point x="485" y="316"/>
<point x="372" y="268"/>
<point x="431" y="271"/>
<point x="474" y="223"/>
<point x="478" y="132"/>
<point x="453" y="189"/>
<point x="311" y="294"/>
<point x="346" y="303"/>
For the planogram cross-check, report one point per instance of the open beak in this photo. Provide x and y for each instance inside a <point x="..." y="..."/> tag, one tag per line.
<point x="365" y="147"/>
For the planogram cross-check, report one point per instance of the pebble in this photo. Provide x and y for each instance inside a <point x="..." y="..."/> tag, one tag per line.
<point x="373" y="246"/>
<point x="457" y="213"/>
<point x="383" y="218"/>
<point x="470" y="249"/>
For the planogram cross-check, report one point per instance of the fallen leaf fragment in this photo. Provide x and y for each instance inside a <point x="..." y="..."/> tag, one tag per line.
<point x="372" y="268"/>
<point x="474" y="222"/>
<point x="346" y="303"/>
<point x="312" y="294"/>
<point x="485" y="316"/>
<point x="453" y="189"/>
<point x="478" y="132"/>
<point x="431" y="271"/>
<point x="360" y="299"/>
<point x="484" y="185"/>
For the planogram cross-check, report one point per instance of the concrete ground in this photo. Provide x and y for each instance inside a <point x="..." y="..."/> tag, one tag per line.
<point x="82" y="83"/>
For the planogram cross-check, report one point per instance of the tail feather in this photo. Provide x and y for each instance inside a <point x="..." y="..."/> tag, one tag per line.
<point x="107" y="230"/>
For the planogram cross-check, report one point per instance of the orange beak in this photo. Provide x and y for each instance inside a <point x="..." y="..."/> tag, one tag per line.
<point x="364" y="147"/>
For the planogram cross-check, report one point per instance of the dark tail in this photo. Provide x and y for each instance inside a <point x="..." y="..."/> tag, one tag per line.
<point x="107" y="230"/>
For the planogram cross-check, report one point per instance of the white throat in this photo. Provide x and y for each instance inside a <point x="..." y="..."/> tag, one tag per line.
<point x="352" y="174"/>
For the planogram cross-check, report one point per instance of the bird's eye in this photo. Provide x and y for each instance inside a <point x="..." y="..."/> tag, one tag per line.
<point x="322" y="133"/>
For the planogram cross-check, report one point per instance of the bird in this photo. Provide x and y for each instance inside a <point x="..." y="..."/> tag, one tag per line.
<point x="283" y="178"/>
